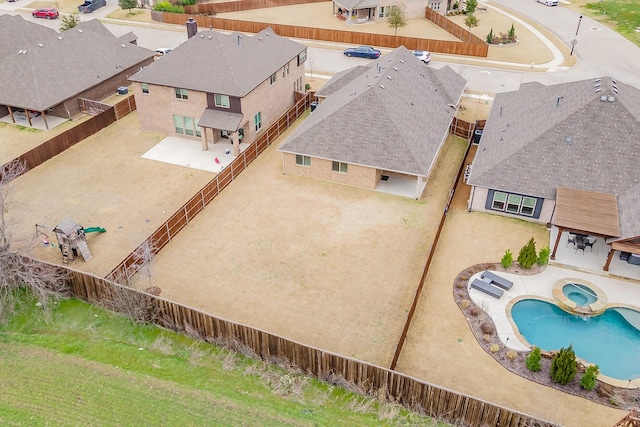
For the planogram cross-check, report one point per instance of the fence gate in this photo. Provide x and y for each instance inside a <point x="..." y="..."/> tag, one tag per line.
<point x="93" y="108"/>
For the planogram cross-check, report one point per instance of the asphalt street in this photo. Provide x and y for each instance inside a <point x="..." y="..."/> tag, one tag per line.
<point x="599" y="50"/>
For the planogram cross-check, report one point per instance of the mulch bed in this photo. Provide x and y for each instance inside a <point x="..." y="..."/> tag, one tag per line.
<point x="484" y="330"/>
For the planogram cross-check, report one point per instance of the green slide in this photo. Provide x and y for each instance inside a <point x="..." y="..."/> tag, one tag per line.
<point x="95" y="230"/>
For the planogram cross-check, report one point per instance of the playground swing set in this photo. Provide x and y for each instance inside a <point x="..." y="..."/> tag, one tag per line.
<point x="72" y="239"/>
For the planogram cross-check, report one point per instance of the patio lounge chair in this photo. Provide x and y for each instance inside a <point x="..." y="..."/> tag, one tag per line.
<point x="589" y="243"/>
<point x="487" y="288"/>
<point x="500" y="282"/>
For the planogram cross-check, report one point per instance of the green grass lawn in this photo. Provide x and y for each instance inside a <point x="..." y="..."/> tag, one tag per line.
<point x="621" y="15"/>
<point x="81" y="365"/>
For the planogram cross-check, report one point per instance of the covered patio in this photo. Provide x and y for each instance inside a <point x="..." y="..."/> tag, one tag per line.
<point x="594" y="216"/>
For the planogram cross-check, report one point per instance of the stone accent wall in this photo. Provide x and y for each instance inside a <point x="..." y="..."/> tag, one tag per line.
<point x="356" y="176"/>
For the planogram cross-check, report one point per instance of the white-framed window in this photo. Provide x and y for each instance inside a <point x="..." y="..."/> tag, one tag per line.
<point x="383" y="11"/>
<point x="434" y="5"/>
<point x="339" y="167"/>
<point x="144" y="87"/>
<point x="272" y="79"/>
<point x="257" y="121"/>
<point x="186" y="125"/>
<point x="178" y="124"/>
<point x="221" y="101"/>
<point x="513" y="203"/>
<point x="302" y="56"/>
<point x="182" y="93"/>
<point x="286" y="69"/>
<point x="303" y="160"/>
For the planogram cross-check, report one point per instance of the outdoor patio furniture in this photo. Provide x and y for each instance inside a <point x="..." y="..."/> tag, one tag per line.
<point x="581" y="244"/>
<point x="589" y="243"/>
<point x="487" y="288"/>
<point x="624" y="256"/>
<point x="500" y="282"/>
<point x="634" y="259"/>
<point x="571" y="239"/>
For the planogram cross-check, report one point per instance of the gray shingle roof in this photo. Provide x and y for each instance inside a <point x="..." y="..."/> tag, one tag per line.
<point x="58" y="66"/>
<point x="526" y="137"/>
<point x="394" y="115"/>
<point x="542" y="137"/>
<point x="231" y="64"/>
<point x="17" y="33"/>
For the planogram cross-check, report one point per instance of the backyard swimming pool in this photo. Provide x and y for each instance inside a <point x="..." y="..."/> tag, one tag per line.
<point x="610" y="340"/>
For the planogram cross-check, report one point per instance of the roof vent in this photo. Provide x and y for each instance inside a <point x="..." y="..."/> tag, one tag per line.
<point x="402" y="61"/>
<point x="259" y="38"/>
<point x="597" y="80"/>
<point x="395" y="68"/>
<point x="210" y="37"/>
<point x="381" y="87"/>
<point x="389" y="77"/>
<point x="267" y="34"/>
<point x="123" y="45"/>
<point x="568" y="140"/>
<point x="558" y="101"/>
<point x="615" y="89"/>
<point x="603" y="98"/>
<point x="614" y="82"/>
<point x="40" y="45"/>
<point x="239" y="38"/>
<point x="79" y="30"/>
<point x="59" y="37"/>
<point x="597" y="85"/>
<point x="369" y="85"/>
<point x="611" y="99"/>
<point x="201" y="36"/>
<point x="598" y="89"/>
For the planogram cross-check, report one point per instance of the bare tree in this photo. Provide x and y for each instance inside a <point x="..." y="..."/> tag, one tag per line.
<point x="19" y="272"/>
<point x="397" y="18"/>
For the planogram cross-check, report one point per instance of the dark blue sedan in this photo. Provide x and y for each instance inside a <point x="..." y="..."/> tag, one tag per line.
<point x="363" y="52"/>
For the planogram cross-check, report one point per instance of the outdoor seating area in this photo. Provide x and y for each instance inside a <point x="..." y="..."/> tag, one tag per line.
<point x="491" y="284"/>
<point x="581" y="242"/>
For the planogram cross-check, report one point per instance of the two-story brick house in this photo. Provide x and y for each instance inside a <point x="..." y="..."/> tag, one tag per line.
<point x="220" y="86"/>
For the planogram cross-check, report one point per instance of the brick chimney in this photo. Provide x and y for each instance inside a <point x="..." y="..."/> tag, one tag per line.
<point x="192" y="27"/>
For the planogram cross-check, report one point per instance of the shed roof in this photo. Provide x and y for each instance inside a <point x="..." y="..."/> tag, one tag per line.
<point x="231" y="64"/>
<point x="393" y="114"/>
<point x="590" y="211"/>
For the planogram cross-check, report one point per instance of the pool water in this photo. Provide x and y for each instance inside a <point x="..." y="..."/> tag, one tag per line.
<point x="579" y="294"/>
<point x="608" y="340"/>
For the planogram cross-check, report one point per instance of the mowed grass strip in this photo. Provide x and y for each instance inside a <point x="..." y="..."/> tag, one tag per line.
<point x="621" y="15"/>
<point x="81" y="365"/>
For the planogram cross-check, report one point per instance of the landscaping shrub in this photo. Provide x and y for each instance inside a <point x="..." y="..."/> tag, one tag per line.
<point x="456" y="6"/>
<point x="564" y="366"/>
<point x="165" y="6"/>
<point x="543" y="256"/>
<point x="528" y="254"/>
<point x="475" y="311"/>
<point x="512" y="33"/>
<point x="507" y="259"/>
<point x="533" y="360"/>
<point x="487" y="328"/>
<point x="489" y="38"/>
<point x="588" y="380"/>
<point x="494" y="348"/>
<point x="512" y="354"/>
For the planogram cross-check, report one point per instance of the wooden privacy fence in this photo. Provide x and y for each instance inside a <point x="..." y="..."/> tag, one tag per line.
<point x="337" y="36"/>
<point x="436" y="402"/>
<point x="236" y="6"/>
<point x="461" y="128"/>
<point x="59" y="143"/>
<point x="454" y="29"/>
<point x="163" y="235"/>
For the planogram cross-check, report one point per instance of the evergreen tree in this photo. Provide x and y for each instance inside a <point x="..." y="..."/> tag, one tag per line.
<point x="564" y="366"/>
<point x="69" y="21"/>
<point x="128" y="4"/>
<point x="528" y="255"/>
<point x="507" y="259"/>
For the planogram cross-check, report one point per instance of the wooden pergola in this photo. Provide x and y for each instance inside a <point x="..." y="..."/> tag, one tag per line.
<point x="586" y="212"/>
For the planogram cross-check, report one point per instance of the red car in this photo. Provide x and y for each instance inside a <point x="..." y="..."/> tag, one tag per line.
<point x="47" y="12"/>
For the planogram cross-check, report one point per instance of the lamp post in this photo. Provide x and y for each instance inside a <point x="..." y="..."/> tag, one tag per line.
<point x="574" y="42"/>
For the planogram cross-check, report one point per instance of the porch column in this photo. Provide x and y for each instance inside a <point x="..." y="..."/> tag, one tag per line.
<point x="555" y="247"/>
<point x="236" y="143"/>
<point x="205" y="140"/>
<point x="609" y="258"/>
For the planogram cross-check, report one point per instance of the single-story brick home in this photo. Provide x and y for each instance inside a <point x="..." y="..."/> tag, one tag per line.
<point x="565" y="155"/>
<point x="377" y="124"/>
